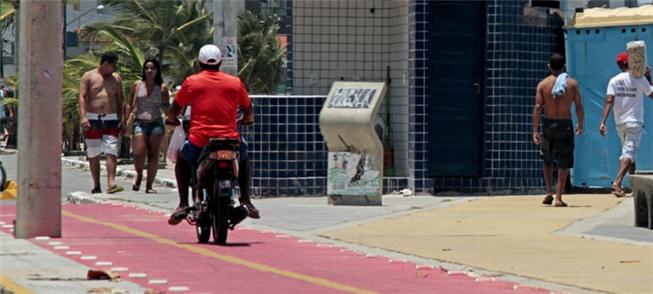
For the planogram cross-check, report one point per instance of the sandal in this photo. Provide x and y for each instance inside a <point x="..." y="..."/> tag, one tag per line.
<point x="560" y="204"/>
<point x="178" y="215"/>
<point x="115" y="189"/>
<point x="96" y="190"/>
<point x="252" y="211"/>
<point x="135" y="187"/>
<point x="548" y="200"/>
<point x="618" y="192"/>
<point x="151" y="191"/>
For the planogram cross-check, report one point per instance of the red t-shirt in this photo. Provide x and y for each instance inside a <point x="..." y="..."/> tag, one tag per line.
<point x="214" y="98"/>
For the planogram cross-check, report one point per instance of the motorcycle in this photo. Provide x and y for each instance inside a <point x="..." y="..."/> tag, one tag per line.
<point x="213" y="195"/>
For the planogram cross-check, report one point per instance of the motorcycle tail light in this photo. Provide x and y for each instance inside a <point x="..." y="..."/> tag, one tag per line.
<point x="223" y="164"/>
<point x="223" y="155"/>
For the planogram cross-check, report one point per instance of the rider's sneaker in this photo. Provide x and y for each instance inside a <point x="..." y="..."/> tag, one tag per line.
<point x="177" y="216"/>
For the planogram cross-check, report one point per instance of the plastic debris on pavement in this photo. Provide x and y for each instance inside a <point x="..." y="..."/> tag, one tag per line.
<point x="10" y="191"/>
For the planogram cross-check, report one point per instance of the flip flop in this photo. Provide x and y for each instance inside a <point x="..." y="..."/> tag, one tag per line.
<point x="618" y="192"/>
<point x="177" y="216"/>
<point x="151" y="191"/>
<point x="252" y="212"/>
<point x="547" y="200"/>
<point x="115" y="189"/>
<point x="96" y="190"/>
<point x="135" y="187"/>
<point x="560" y="204"/>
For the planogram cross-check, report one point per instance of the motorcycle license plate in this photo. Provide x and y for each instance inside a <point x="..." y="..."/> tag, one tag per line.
<point x="223" y="155"/>
<point x="225" y="184"/>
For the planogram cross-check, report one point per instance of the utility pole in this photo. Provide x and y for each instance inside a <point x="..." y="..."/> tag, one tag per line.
<point x="39" y="126"/>
<point x="225" y="35"/>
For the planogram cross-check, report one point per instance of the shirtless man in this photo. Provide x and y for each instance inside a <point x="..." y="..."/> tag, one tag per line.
<point x="557" y="138"/>
<point x="100" y="104"/>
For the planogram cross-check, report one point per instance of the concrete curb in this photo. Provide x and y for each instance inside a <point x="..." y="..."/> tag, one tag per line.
<point x="82" y="198"/>
<point x="86" y="198"/>
<point x="170" y="183"/>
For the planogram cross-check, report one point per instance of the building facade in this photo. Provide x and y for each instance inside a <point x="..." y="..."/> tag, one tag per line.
<point x="461" y="77"/>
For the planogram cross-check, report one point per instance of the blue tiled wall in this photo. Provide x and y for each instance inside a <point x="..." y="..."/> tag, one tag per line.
<point x="518" y="49"/>
<point x="287" y="150"/>
<point x="417" y="93"/>
<point x="286" y="147"/>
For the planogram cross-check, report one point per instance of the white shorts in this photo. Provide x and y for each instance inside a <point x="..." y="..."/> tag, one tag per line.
<point x="630" y="135"/>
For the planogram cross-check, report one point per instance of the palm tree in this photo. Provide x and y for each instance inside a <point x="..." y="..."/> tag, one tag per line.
<point x="260" y="54"/>
<point x="197" y="31"/>
<point x="73" y="70"/>
<point x="180" y="26"/>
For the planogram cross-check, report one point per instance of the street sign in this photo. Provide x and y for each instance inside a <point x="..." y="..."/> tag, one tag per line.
<point x="230" y="56"/>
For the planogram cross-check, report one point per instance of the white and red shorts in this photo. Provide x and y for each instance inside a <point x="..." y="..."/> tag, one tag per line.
<point x="102" y="137"/>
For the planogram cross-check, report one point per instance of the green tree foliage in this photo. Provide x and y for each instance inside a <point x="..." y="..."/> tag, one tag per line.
<point x="7" y="14"/>
<point x="260" y="59"/>
<point x="173" y="30"/>
<point x="8" y="10"/>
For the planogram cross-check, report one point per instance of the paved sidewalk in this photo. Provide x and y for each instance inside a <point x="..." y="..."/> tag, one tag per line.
<point x="587" y="248"/>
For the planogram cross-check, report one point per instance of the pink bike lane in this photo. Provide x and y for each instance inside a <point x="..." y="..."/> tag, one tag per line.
<point x="141" y="247"/>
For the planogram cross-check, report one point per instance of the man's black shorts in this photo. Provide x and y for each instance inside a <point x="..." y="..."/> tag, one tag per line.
<point x="557" y="142"/>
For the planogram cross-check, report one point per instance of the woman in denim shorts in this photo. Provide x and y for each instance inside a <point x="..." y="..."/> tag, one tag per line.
<point x="145" y="100"/>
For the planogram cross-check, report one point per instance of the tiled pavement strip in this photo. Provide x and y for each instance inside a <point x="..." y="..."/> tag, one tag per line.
<point x="398" y="208"/>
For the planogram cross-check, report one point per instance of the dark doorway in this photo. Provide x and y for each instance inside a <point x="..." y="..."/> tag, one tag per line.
<point x="455" y="104"/>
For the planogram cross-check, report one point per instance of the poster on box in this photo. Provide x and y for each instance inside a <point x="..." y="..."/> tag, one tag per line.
<point x="353" y="174"/>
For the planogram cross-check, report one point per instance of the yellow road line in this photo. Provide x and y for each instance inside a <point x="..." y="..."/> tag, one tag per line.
<point x="11" y="286"/>
<point x="226" y="258"/>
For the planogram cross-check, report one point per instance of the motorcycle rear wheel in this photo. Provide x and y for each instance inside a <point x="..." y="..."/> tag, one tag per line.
<point x="220" y="219"/>
<point x="203" y="230"/>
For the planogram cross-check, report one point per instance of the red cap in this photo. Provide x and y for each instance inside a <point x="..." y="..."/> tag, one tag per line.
<point x="622" y="57"/>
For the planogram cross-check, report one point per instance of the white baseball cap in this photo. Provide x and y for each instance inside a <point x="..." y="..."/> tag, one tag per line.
<point x="210" y="54"/>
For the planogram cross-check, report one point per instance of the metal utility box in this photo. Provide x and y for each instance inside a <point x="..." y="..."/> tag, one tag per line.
<point x="355" y="160"/>
<point x="593" y="40"/>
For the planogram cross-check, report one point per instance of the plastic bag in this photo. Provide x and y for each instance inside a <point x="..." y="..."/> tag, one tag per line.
<point x="637" y="57"/>
<point x="176" y="142"/>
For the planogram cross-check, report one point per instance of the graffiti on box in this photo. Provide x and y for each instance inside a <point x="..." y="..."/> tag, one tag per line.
<point x="353" y="174"/>
<point x="352" y="98"/>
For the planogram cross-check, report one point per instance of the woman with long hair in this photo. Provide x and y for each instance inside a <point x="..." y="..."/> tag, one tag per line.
<point x="145" y="102"/>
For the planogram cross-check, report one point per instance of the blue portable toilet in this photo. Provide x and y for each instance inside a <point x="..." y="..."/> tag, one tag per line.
<point x="593" y="40"/>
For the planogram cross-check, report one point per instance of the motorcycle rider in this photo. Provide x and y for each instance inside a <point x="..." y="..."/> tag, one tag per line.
<point x="215" y="98"/>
